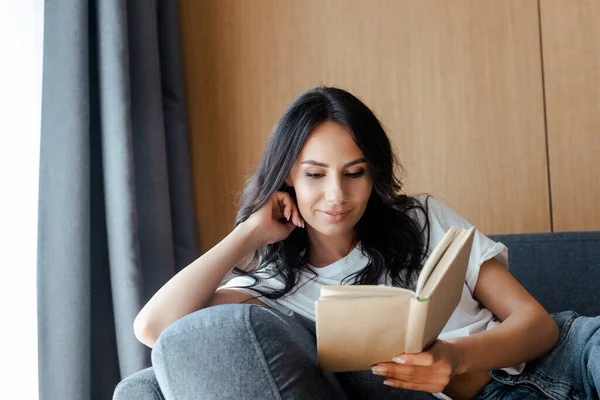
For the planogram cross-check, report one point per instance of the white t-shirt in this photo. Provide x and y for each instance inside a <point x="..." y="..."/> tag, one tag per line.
<point x="469" y="317"/>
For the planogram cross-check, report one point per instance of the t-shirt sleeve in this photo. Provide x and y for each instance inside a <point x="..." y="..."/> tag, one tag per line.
<point x="442" y="217"/>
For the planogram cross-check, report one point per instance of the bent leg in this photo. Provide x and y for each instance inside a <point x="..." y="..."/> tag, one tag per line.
<point x="570" y="371"/>
<point x="575" y="358"/>
<point x="591" y="357"/>
<point x="239" y="351"/>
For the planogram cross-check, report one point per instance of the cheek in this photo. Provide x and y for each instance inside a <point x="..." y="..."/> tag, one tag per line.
<point x="362" y="192"/>
<point x="306" y="195"/>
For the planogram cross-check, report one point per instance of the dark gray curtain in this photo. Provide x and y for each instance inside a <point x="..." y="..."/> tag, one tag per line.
<point x="116" y="215"/>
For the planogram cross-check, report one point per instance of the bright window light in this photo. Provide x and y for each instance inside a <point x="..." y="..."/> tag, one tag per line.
<point x="21" y="30"/>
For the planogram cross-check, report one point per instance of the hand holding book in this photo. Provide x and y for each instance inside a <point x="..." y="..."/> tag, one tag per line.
<point x="360" y="326"/>
<point x="435" y="368"/>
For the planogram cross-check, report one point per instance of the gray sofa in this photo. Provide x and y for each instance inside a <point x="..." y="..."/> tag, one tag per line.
<point x="561" y="270"/>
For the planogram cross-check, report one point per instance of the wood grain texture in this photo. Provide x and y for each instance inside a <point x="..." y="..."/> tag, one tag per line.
<point x="571" y="48"/>
<point x="456" y="83"/>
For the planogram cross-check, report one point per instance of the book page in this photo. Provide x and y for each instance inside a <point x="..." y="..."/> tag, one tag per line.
<point x="450" y="260"/>
<point x="332" y="292"/>
<point x="445" y="286"/>
<point x="434" y="258"/>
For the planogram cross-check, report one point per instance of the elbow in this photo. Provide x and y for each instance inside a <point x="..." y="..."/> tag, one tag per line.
<point x="554" y="332"/>
<point x="548" y="332"/>
<point x="143" y="332"/>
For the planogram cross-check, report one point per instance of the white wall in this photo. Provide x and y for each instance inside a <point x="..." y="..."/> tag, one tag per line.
<point x="21" y="29"/>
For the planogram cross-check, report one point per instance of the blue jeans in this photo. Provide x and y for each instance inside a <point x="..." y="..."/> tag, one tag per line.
<point x="253" y="352"/>
<point x="570" y="371"/>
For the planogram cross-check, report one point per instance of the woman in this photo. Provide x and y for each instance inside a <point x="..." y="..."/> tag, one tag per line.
<point x="325" y="207"/>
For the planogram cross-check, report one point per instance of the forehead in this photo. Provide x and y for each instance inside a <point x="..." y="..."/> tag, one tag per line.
<point x="330" y="143"/>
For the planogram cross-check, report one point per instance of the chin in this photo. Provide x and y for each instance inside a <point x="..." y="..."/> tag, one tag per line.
<point x="333" y="230"/>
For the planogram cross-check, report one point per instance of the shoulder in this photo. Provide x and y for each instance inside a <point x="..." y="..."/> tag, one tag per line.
<point x="431" y="203"/>
<point x="440" y="215"/>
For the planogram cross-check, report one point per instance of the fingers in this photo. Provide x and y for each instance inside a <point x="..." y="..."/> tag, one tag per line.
<point x="288" y="209"/>
<point x="296" y="219"/>
<point x="424" y="359"/>
<point x="288" y="206"/>
<point x="281" y="207"/>
<point x="413" y="377"/>
<point x="420" y="371"/>
<point x="411" y="374"/>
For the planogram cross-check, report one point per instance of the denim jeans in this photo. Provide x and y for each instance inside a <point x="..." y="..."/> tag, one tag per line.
<point x="244" y="351"/>
<point x="253" y="352"/>
<point x="570" y="371"/>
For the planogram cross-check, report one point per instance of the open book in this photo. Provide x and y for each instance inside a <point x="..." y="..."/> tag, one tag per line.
<point x="362" y="325"/>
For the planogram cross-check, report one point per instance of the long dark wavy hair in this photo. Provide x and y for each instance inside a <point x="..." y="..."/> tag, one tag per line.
<point x="395" y="243"/>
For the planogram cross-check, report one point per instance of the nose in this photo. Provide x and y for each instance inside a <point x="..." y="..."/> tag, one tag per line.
<point x="335" y="192"/>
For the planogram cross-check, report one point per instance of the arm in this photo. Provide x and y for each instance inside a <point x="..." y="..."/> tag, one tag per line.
<point x="526" y="332"/>
<point x="194" y="287"/>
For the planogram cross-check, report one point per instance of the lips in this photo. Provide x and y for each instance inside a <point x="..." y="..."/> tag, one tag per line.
<point x="335" y="215"/>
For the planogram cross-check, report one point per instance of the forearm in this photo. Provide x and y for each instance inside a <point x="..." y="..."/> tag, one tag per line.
<point x="526" y="334"/>
<point x="193" y="287"/>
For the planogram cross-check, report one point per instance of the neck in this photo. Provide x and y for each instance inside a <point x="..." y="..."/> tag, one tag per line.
<point x="325" y="250"/>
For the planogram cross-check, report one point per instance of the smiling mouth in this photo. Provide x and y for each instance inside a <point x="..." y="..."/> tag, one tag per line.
<point x="335" y="215"/>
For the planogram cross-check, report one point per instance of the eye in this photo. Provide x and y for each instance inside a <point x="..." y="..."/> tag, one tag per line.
<point x="356" y="174"/>
<point x="314" y="175"/>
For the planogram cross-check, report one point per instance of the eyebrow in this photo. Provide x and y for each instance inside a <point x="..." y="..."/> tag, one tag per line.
<point x="320" y="164"/>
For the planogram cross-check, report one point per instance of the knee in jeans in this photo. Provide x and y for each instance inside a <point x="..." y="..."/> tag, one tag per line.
<point x="209" y="321"/>
<point x="265" y="316"/>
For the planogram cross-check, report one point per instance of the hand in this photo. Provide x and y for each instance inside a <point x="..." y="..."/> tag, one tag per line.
<point x="429" y="371"/>
<point x="267" y="224"/>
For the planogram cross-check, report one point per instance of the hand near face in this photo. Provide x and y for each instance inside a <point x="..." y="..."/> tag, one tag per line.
<point x="276" y="220"/>
<point x="429" y="371"/>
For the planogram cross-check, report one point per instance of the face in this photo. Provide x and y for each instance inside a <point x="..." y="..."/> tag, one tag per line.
<point x="331" y="180"/>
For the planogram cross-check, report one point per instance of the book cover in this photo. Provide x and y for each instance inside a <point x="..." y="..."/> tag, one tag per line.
<point x="362" y="325"/>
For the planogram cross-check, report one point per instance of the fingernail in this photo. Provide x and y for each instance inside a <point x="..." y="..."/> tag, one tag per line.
<point x="387" y="382"/>
<point x="379" y="370"/>
<point x="399" y="360"/>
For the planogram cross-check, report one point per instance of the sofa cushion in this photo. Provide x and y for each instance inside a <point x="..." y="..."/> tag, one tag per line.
<point x="561" y="270"/>
<point x="142" y="385"/>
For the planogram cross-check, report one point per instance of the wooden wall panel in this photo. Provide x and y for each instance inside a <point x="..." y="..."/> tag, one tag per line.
<point x="456" y="83"/>
<point x="571" y="49"/>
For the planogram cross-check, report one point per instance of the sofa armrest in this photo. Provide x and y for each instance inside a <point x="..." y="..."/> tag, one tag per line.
<point x="139" y="386"/>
